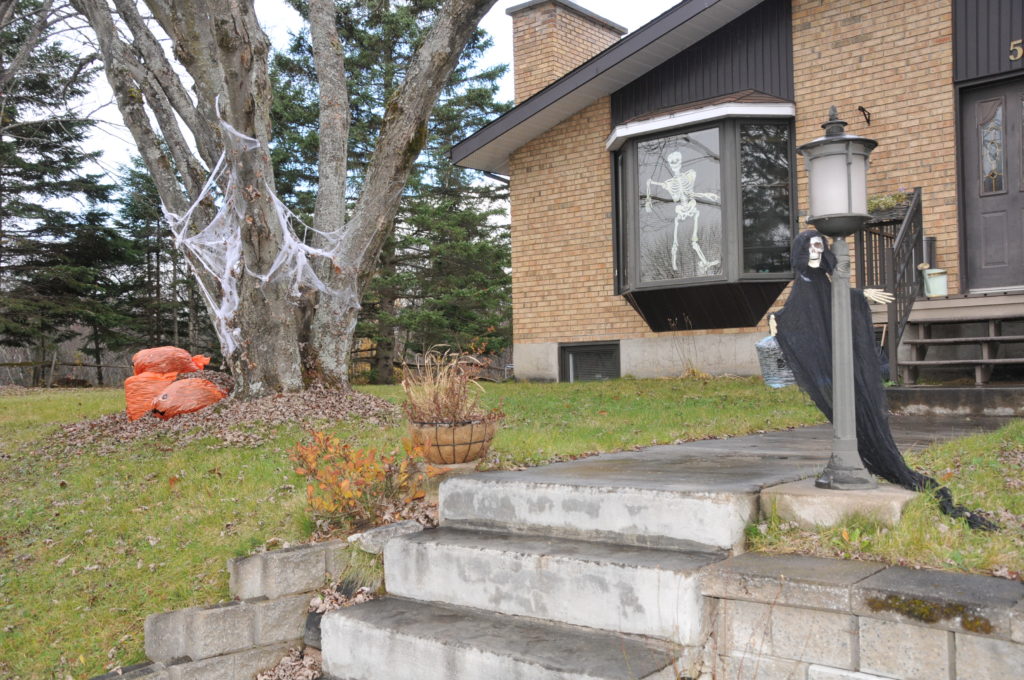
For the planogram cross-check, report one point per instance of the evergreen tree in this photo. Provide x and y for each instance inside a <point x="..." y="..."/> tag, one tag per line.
<point x="165" y="304"/>
<point x="442" y="274"/>
<point x="54" y="244"/>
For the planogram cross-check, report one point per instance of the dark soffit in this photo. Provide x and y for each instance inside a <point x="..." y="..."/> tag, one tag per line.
<point x="620" y="64"/>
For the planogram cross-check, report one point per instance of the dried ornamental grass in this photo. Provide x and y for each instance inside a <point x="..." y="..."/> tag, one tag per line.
<point x="444" y="390"/>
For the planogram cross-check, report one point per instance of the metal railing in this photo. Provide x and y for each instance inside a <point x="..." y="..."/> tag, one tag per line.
<point x="888" y="252"/>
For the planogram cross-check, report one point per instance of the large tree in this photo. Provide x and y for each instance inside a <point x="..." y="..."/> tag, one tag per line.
<point x="285" y="307"/>
<point x="441" y="275"/>
<point x="57" y="256"/>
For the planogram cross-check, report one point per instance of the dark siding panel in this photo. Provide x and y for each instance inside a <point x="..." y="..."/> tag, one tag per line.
<point x="982" y="31"/>
<point x="753" y="52"/>
<point x="717" y="305"/>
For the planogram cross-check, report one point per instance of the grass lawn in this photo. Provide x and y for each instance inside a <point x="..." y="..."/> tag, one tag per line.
<point x="92" y="542"/>
<point x="983" y="471"/>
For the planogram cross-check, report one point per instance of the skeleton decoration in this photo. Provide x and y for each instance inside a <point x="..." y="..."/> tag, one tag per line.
<point x="680" y="187"/>
<point x="804" y="330"/>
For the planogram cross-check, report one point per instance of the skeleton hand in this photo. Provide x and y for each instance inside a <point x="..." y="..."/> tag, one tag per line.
<point x="773" y="326"/>
<point x="648" y="204"/>
<point x="878" y="296"/>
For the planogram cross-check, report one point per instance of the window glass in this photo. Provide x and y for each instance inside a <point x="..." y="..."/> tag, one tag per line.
<point x="990" y="133"/>
<point x="680" y="215"/>
<point x="764" y="183"/>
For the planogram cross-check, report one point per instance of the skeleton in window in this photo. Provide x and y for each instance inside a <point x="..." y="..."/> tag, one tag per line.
<point x="680" y="188"/>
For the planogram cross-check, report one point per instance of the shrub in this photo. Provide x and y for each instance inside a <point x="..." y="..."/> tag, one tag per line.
<point x="358" y="487"/>
<point x="442" y="390"/>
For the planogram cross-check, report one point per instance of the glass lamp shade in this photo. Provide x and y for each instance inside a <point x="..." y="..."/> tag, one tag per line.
<point x="837" y="172"/>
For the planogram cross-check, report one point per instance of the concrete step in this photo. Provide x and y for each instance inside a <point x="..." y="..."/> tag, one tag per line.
<point x="396" y="639"/>
<point x="624" y="589"/>
<point x="680" y="497"/>
<point x="627" y="516"/>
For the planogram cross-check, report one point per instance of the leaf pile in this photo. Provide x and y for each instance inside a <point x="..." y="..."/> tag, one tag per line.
<point x="232" y="422"/>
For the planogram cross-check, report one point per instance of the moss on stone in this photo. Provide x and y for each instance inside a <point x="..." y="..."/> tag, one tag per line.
<point x="929" y="611"/>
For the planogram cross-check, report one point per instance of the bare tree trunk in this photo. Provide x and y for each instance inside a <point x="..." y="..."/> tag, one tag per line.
<point x="97" y="353"/>
<point x="175" y="291"/>
<point x="281" y="332"/>
<point x="193" y="313"/>
<point x="401" y="139"/>
<point x="385" y="358"/>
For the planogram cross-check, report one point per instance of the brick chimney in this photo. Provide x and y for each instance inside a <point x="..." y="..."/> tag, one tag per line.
<point x="551" y="38"/>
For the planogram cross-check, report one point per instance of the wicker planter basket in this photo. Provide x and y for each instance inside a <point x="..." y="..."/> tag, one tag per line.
<point x="448" y="444"/>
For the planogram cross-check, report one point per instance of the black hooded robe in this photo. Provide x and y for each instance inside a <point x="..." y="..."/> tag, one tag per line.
<point x="805" y="337"/>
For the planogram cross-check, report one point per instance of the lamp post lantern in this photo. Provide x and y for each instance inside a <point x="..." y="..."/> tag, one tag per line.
<point x="837" y="190"/>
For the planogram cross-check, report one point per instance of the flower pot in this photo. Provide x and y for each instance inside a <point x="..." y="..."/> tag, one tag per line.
<point x="449" y="443"/>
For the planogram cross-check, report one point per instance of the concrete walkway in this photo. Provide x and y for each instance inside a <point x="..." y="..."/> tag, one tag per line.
<point x="600" y="555"/>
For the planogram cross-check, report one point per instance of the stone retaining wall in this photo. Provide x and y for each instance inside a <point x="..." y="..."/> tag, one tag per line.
<point x="791" y="616"/>
<point x="235" y="640"/>
<point x="807" y="618"/>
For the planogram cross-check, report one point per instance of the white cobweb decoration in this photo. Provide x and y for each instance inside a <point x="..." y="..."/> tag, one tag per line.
<point x="217" y="248"/>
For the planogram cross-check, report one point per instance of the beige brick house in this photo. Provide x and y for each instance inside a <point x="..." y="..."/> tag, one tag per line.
<point x="654" y="182"/>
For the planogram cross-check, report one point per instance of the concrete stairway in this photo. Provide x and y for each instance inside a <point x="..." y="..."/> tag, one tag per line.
<point x="582" y="570"/>
<point x="586" y="570"/>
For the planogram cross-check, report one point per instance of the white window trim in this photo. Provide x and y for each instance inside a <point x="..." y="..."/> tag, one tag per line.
<point x="624" y="132"/>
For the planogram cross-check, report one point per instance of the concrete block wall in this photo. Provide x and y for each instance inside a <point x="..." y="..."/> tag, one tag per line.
<point x="896" y="60"/>
<point x="235" y="640"/>
<point x="807" y="618"/>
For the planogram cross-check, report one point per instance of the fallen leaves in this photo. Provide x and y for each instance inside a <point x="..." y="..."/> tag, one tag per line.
<point x="298" y="665"/>
<point x="231" y="422"/>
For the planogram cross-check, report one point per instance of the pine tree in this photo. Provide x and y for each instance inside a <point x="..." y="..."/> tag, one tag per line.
<point x="442" y="273"/>
<point x="54" y="242"/>
<point x="165" y="305"/>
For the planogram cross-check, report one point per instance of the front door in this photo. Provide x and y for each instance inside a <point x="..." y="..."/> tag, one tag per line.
<point x="993" y="185"/>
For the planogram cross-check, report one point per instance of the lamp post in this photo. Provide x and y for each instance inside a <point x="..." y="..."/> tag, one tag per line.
<point x="837" y="167"/>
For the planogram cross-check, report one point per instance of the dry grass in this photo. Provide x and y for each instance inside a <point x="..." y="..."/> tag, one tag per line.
<point x="444" y="390"/>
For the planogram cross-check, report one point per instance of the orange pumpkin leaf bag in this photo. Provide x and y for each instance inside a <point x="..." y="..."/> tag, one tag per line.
<point x="141" y="389"/>
<point x="185" y="396"/>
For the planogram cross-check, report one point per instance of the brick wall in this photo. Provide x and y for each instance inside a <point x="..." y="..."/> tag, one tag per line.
<point x="562" y="249"/>
<point x="893" y="58"/>
<point x="896" y="60"/>
<point x="549" y="40"/>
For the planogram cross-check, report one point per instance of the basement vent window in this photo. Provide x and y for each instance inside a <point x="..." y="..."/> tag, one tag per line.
<point x="589" y="361"/>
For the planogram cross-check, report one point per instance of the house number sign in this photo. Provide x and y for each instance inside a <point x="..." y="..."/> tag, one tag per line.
<point x="1016" y="50"/>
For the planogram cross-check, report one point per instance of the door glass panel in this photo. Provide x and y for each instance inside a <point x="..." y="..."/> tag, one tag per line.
<point x="764" y="180"/>
<point x="680" y="213"/>
<point x="991" y="147"/>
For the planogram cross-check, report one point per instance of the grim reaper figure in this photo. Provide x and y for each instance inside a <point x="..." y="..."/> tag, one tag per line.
<point x="803" y="329"/>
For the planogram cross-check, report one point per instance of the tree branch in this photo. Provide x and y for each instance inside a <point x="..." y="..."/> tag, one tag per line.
<point x="403" y="133"/>
<point x="31" y="41"/>
<point x="329" y="58"/>
<point x="152" y="53"/>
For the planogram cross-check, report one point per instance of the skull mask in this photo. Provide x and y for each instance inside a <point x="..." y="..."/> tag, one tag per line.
<point x="814" y="250"/>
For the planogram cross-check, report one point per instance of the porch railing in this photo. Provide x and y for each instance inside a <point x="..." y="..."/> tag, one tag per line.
<point x="888" y="252"/>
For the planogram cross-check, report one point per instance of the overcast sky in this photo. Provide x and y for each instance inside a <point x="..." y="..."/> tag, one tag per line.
<point x="116" y="142"/>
